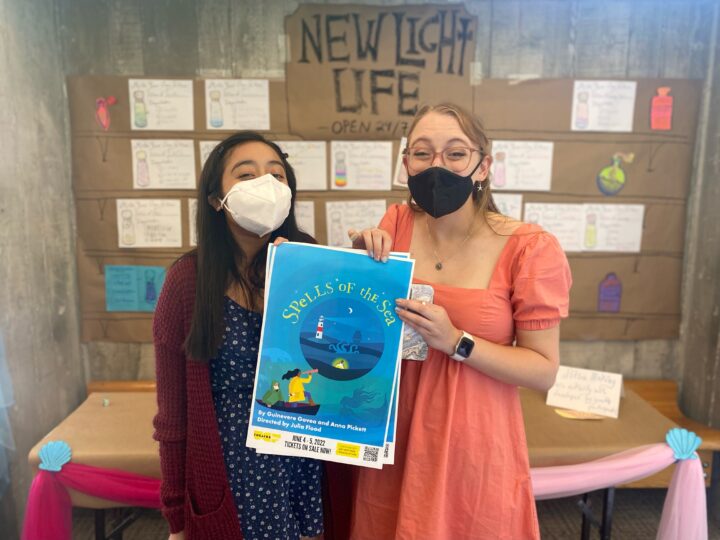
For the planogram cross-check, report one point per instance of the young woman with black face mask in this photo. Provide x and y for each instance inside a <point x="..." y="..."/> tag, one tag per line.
<point x="206" y="333"/>
<point x="500" y="289"/>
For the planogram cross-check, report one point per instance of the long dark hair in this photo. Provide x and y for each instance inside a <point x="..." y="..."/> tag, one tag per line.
<point x="218" y="255"/>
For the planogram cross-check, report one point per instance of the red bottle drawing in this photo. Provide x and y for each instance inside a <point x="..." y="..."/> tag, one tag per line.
<point x="661" y="110"/>
<point x="102" y="111"/>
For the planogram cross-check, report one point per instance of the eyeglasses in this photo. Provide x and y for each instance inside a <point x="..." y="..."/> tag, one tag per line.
<point x="455" y="158"/>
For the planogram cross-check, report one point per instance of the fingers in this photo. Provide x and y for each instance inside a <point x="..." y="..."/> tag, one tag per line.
<point x="377" y="242"/>
<point x="422" y="308"/>
<point x="279" y="240"/>
<point x="357" y="239"/>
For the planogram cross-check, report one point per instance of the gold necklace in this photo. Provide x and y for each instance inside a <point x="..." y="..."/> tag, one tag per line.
<point x="439" y="263"/>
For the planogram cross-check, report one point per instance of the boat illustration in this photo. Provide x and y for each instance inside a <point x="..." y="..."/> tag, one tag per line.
<point x="299" y="408"/>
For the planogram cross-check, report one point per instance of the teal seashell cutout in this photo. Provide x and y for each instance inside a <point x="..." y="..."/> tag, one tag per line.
<point x="683" y="442"/>
<point x="54" y="455"/>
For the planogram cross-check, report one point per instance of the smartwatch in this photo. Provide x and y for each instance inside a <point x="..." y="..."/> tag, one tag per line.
<point x="464" y="347"/>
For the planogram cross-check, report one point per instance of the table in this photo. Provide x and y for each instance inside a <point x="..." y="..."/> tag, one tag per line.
<point x="119" y="436"/>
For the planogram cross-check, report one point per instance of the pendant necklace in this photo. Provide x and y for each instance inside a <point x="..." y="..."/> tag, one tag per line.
<point x="439" y="263"/>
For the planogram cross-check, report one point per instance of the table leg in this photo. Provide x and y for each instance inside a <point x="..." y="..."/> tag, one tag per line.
<point x="585" y="507"/>
<point x="608" y="502"/>
<point x="99" y="524"/>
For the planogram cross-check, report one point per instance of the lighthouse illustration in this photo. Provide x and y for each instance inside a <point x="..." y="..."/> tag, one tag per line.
<point x="319" y="331"/>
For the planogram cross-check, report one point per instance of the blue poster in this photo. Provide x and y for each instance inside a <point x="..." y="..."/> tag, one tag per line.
<point x="329" y="354"/>
<point x="133" y="288"/>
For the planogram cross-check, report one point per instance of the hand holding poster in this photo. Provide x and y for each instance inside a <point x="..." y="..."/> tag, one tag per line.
<point x="329" y="354"/>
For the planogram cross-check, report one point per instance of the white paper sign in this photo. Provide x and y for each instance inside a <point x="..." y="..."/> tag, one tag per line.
<point x="149" y="223"/>
<point x="400" y="178"/>
<point x="603" y="105"/>
<point x="509" y="204"/>
<point x="192" y="220"/>
<point x="565" y="221"/>
<point x="237" y="104"/>
<point x="305" y="216"/>
<point x="586" y="390"/>
<point x="205" y="148"/>
<point x="309" y="161"/>
<point x="345" y="215"/>
<point x="613" y="227"/>
<point x="591" y="227"/>
<point x="163" y="164"/>
<point x="161" y="104"/>
<point x="362" y="165"/>
<point x="522" y="165"/>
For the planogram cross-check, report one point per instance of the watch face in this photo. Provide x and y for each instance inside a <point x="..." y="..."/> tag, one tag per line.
<point x="465" y="347"/>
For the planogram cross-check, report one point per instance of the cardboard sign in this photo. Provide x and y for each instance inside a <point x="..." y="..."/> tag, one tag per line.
<point x="362" y="72"/>
<point x="586" y="390"/>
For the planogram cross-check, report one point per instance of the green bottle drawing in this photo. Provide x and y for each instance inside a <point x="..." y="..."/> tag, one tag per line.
<point x="611" y="179"/>
<point x="140" y="109"/>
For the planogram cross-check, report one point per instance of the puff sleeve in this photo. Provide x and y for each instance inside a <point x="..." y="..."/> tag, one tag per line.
<point x="540" y="294"/>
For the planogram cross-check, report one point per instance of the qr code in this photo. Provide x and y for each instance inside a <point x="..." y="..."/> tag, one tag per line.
<point x="370" y="454"/>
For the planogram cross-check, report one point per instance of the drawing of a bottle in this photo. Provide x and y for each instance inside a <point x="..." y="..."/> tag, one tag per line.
<point x="582" y="111"/>
<point x="150" y="291"/>
<point x="336" y="229"/>
<point x="340" y="170"/>
<point x="611" y="179"/>
<point x="498" y="178"/>
<point x="590" y="231"/>
<point x="142" y="170"/>
<point x="609" y="294"/>
<point x="216" y="113"/>
<point x="127" y="228"/>
<point x="661" y="110"/>
<point x="140" y="109"/>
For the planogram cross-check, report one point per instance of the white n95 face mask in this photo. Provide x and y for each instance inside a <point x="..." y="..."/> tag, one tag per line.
<point x="259" y="205"/>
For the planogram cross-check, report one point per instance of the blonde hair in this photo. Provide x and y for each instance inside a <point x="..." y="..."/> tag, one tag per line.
<point x="474" y="130"/>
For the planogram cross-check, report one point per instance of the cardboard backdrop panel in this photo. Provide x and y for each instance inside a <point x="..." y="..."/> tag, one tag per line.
<point x="582" y="328"/>
<point x="91" y="273"/>
<point x="645" y="290"/>
<point x="546" y="105"/>
<point x="361" y="72"/>
<point x="307" y="108"/>
<point x="657" y="169"/>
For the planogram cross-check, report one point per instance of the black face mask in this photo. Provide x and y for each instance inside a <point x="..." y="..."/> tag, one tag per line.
<point x="439" y="191"/>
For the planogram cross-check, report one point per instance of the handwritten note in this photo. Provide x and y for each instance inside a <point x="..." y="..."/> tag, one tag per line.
<point x="305" y="216"/>
<point x="565" y="221"/>
<point x="345" y="215"/>
<point x="400" y="178"/>
<point x="161" y="104"/>
<point x="361" y="165"/>
<point x="163" y="164"/>
<point x="586" y="390"/>
<point x="603" y="106"/>
<point x="614" y="228"/>
<point x="237" y="104"/>
<point x="205" y="148"/>
<point x="133" y="288"/>
<point x="192" y="221"/>
<point x="509" y="204"/>
<point x="146" y="223"/>
<point x="309" y="161"/>
<point x="522" y="165"/>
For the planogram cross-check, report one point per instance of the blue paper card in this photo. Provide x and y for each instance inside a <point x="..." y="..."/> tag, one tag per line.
<point x="133" y="288"/>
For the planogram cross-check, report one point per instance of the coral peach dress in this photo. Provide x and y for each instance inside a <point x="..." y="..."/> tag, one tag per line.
<point x="461" y="462"/>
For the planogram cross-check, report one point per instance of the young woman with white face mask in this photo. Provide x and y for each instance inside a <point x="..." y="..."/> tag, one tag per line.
<point x="500" y="289"/>
<point x="206" y="332"/>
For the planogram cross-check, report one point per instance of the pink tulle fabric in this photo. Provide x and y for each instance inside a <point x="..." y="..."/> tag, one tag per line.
<point x="48" y="514"/>
<point x="684" y="512"/>
<point x="49" y="509"/>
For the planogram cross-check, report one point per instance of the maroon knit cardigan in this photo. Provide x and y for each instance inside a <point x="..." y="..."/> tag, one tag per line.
<point x="195" y="491"/>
